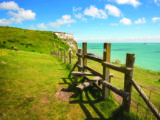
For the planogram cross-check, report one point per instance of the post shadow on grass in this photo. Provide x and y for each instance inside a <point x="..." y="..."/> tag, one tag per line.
<point x="81" y="102"/>
<point x="70" y="82"/>
<point x="96" y="94"/>
<point x="97" y="97"/>
<point x="75" y="65"/>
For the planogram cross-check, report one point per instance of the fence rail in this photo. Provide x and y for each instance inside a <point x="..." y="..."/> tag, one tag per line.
<point x="127" y="70"/>
<point x="146" y="99"/>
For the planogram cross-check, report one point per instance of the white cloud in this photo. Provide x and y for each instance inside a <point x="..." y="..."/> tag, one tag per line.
<point x="134" y="3"/>
<point x="32" y="27"/>
<point x="4" y="22"/>
<point x="75" y="9"/>
<point x="157" y="2"/>
<point x="95" y="12"/>
<point x="9" y="5"/>
<point x="113" y="10"/>
<point x="126" y="21"/>
<point x="156" y="19"/>
<point x="22" y="15"/>
<point x="42" y="26"/>
<point x="17" y="14"/>
<point x="80" y="16"/>
<point x="77" y="14"/>
<point x="140" y="21"/>
<point x="66" y="19"/>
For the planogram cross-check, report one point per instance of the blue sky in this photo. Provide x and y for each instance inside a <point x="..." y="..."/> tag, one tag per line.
<point x="87" y="20"/>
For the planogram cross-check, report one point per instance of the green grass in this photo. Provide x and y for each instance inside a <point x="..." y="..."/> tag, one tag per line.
<point x="29" y="81"/>
<point x="146" y="78"/>
<point x="30" y="40"/>
<point x="149" y="80"/>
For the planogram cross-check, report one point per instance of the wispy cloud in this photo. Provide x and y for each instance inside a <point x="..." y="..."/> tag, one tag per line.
<point x="134" y="3"/>
<point x="18" y="15"/>
<point x="32" y="27"/>
<point x="66" y="19"/>
<point x="140" y="21"/>
<point x="80" y="16"/>
<point x="5" y="21"/>
<point x="157" y="2"/>
<point x="76" y="9"/>
<point x="113" y="10"/>
<point x="77" y="12"/>
<point x="42" y="26"/>
<point x="156" y="19"/>
<point x="126" y="21"/>
<point x="95" y="12"/>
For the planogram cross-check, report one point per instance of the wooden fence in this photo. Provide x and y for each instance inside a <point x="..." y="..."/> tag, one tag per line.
<point x="126" y="94"/>
<point x="62" y="55"/>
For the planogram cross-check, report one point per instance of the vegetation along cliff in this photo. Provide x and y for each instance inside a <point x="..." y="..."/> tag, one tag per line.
<point x="33" y="40"/>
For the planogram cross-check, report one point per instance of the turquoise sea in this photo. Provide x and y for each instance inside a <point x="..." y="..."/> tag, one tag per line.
<point x="147" y="54"/>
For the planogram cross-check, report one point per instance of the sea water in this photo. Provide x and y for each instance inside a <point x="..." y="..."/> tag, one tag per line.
<point x="147" y="54"/>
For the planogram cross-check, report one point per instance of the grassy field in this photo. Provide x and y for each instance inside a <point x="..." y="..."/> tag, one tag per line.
<point x="30" y="40"/>
<point x="28" y="83"/>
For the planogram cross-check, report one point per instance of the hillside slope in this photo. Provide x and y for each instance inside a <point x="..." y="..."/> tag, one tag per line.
<point x="28" y="85"/>
<point x="30" y="40"/>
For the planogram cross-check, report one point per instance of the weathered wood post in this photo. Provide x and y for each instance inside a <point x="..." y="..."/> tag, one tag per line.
<point x="130" y="59"/>
<point x="106" y="71"/>
<point x="55" y="52"/>
<point x="70" y="59"/>
<point x="52" y="52"/>
<point x="79" y="60"/>
<point x="64" y="56"/>
<point x="61" y="54"/>
<point x="58" y="53"/>
<point x="84" y="46"/>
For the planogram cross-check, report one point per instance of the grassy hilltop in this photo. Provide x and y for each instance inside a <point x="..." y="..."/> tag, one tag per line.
<point x="30" y="40"/>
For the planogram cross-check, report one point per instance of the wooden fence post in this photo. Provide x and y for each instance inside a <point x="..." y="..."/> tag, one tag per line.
<point x="70" y="59"/>
<point x="55" y="52"/>
<point x="130" y="59"/>
<point x="52" y="52"/>
<point x="64" y="56"/>
<point x="84" y="53"/>
<point x="106" y="71"/>
<point x="58" y="53"/>
<point x="61" y="54"/>
<point x="79" y="60"/>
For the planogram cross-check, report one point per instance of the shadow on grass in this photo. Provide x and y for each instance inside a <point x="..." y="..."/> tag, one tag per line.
<point x="116" y="114"/>
<point x="92" y="97"/>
